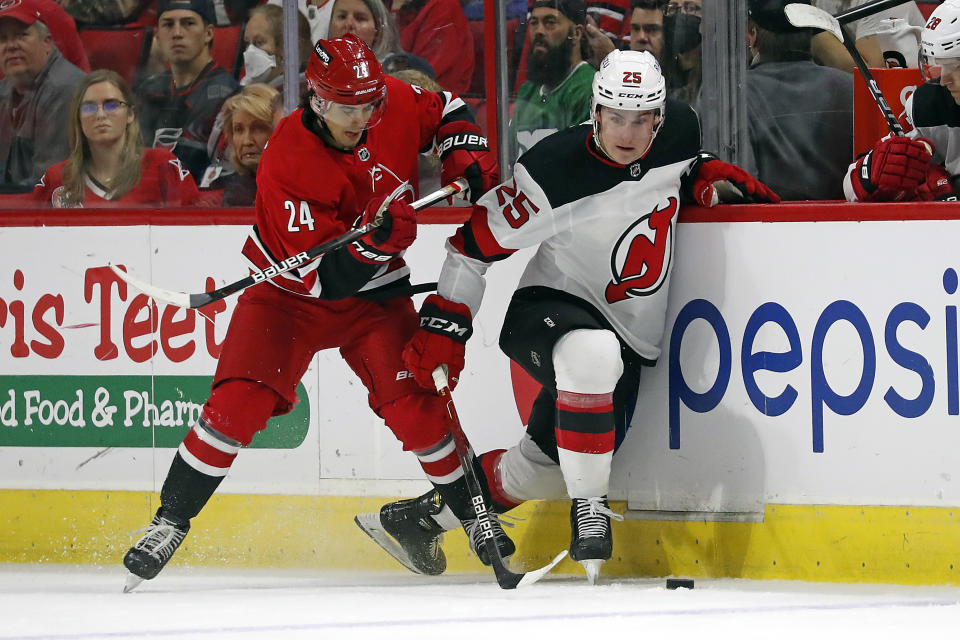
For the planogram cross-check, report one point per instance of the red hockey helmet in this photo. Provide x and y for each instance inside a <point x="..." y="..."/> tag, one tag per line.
<point x="345" y="71"/>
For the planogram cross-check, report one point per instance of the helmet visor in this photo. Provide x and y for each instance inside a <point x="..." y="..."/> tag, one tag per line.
<point x="350" y="116"/>
<point x="934" y="69"/>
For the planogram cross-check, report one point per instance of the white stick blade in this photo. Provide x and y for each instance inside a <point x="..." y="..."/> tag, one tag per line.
<point x="532" y="576"/>
<point x="807" y="16"/>
<point x="160" y="295"/>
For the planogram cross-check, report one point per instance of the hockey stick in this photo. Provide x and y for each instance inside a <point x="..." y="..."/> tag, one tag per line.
<point x="808" y="16"/>
<point x="197" y="300"/>
<point x="505" y="578"/>
<point x="867" y="9"/>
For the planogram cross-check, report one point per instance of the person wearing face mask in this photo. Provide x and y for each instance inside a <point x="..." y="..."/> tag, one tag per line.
<point x="262" y="63"/>
<point x="248" y="122"/>
<point x="108" y="166"/>
<point x="681" y="26"/>
<point x="263" y="56"/>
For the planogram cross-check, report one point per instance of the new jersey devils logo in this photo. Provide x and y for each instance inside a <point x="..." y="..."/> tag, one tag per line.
<point x="641" y="257"/>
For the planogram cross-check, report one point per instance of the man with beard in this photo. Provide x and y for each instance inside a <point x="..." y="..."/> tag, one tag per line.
<point x="557" y="92"/>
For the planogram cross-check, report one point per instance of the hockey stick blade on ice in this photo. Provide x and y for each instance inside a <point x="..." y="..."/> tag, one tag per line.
<point x="197" y="300"/>
<point x="807" y="16"/>
<point x="506" y="578"/>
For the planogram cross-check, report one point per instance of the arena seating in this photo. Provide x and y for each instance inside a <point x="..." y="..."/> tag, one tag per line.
<point x="120" y="49"/>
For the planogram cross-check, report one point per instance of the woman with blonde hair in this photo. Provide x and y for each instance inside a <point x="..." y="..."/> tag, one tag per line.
<point x="247" y="125"/>
<point x="108" y="166"/>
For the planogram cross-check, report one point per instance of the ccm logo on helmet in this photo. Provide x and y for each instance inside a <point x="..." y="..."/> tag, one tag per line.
<point x="630" y="95"/>
<point x="443" y="325"/>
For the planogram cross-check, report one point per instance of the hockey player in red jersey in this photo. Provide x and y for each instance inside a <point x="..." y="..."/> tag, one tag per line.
<point x="328" y="166"/>
<point x="601" y="201"/>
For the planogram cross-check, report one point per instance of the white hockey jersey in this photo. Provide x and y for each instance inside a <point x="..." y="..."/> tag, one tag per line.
<point x="606" y="232"/>
<point x="935" y="115"/>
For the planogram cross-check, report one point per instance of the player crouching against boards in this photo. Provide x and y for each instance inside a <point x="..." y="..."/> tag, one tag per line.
<point x="591" y="196"/>
<point x="349" y="149"/>
<point x="924" y="164"/>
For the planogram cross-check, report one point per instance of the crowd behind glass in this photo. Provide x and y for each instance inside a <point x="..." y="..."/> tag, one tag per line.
<point x="81" y="126"/>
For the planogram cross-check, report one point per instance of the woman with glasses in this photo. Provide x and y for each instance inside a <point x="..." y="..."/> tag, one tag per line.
<point x="108" y="166"/>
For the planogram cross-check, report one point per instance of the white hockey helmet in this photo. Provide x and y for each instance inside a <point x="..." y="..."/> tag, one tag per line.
<point x="940" y="41"/>
<point x="632" y="81"/>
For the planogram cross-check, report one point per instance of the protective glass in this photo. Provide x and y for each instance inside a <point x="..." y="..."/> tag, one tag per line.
<point x="935" y="68"/>
<point x="110" y="107"/>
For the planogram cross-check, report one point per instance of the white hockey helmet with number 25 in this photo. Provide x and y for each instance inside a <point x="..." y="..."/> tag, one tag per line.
<point x="631" y="81"/>
<point x="940" y="42"/>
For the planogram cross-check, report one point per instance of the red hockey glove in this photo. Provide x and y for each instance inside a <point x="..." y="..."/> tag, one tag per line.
<point x="891" y="170"/>
<point x="445" y="327"/>
<point x="937" y="186"/>
<point x="397" y="231"/>
<point x="464" y="152"/>
<point x="712" y="170"/>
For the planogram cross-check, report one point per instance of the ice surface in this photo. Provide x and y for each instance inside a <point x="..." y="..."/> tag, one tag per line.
<point x="65" y="602"/>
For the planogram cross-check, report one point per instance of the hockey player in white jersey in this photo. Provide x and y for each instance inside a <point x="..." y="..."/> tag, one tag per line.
<point x="924" y="164"/>
<point x="601" y="200"/>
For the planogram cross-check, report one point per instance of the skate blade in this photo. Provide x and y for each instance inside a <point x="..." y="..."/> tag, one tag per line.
<point x="369" y="523"/>
<point x="532" y="576"/>
<point x="132" y="583"/>
<point x="592" y="567"/>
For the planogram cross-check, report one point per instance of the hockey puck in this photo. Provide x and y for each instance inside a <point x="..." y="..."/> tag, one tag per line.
<point x="679" y="583"/>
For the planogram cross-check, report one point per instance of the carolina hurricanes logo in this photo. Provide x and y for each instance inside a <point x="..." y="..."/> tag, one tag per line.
<point x="641" y="257"/>
<point x="383" y="180"/>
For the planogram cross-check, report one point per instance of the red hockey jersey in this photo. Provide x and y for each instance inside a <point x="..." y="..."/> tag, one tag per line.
<point x="163" y="182"/>
<point x="309" y="193"/>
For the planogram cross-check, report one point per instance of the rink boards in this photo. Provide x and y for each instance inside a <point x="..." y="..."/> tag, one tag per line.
<point x="801" y="423"/>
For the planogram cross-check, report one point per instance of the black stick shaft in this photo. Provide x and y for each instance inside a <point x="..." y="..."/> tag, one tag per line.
<point x="868" y="9"/>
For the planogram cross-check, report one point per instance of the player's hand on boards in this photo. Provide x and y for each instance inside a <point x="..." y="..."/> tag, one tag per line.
<point x="708" y="187"/>
<point x="892" y="170"/>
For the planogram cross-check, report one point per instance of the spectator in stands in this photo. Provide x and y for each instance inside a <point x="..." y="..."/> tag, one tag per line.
<point x="438" y="31"/>
<point x="107" y="165"/>
<point x="63" y="30"/>
<point x="800" y="114"/>
<point x="317" y="13"/>
<point x="34" y="95"/>
<point x="248" y="123"/>
<point x="682" y="25"/>
<point x="179" y="106"/>
<point x="262" y="63"/>
<point x="370" y="20"/>
<point x="103" y="13"/>
<point x="263" y="56"/>
<point x="558" y="89"/>
<point x="644" y="31"/>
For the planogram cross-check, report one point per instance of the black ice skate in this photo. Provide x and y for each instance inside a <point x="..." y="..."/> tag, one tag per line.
<point x="475" y="536"/>
<point x="407" y="530"/>
<point x="152" y="552"/>
<point x="591" y="541"/>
